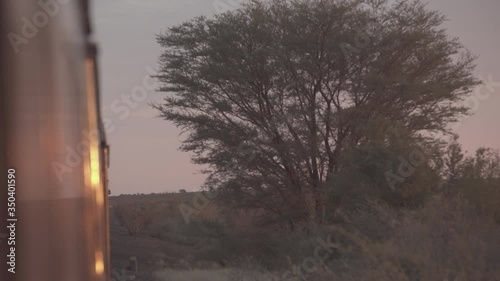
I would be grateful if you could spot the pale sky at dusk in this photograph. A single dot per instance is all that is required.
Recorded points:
(144, 149)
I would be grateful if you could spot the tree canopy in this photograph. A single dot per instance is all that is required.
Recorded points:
(272, 95)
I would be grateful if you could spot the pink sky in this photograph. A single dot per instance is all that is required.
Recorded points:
(144, 150)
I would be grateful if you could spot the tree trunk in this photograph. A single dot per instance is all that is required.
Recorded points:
(310, 201)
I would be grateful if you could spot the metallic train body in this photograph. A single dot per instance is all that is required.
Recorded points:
(54, 140)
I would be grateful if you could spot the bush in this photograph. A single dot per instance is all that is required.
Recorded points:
(135, 217)
(447, 239)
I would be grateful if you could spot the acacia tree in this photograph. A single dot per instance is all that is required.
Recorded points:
(271, 94)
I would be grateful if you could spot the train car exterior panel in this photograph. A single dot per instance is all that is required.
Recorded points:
(55, 143)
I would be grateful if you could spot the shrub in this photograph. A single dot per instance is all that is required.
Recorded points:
(135, 217)
(447, 239)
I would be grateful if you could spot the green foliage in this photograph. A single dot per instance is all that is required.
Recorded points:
(476, 177)
(390, 151)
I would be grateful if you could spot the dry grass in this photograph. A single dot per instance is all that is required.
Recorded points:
(192, 275)
(445, 240)
(212, 275)
(451, 238)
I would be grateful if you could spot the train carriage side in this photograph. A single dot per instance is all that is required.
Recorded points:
(54, 140)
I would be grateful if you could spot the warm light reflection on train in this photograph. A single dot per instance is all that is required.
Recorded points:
(51, 121)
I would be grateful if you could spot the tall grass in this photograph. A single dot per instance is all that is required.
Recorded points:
(447, 239)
